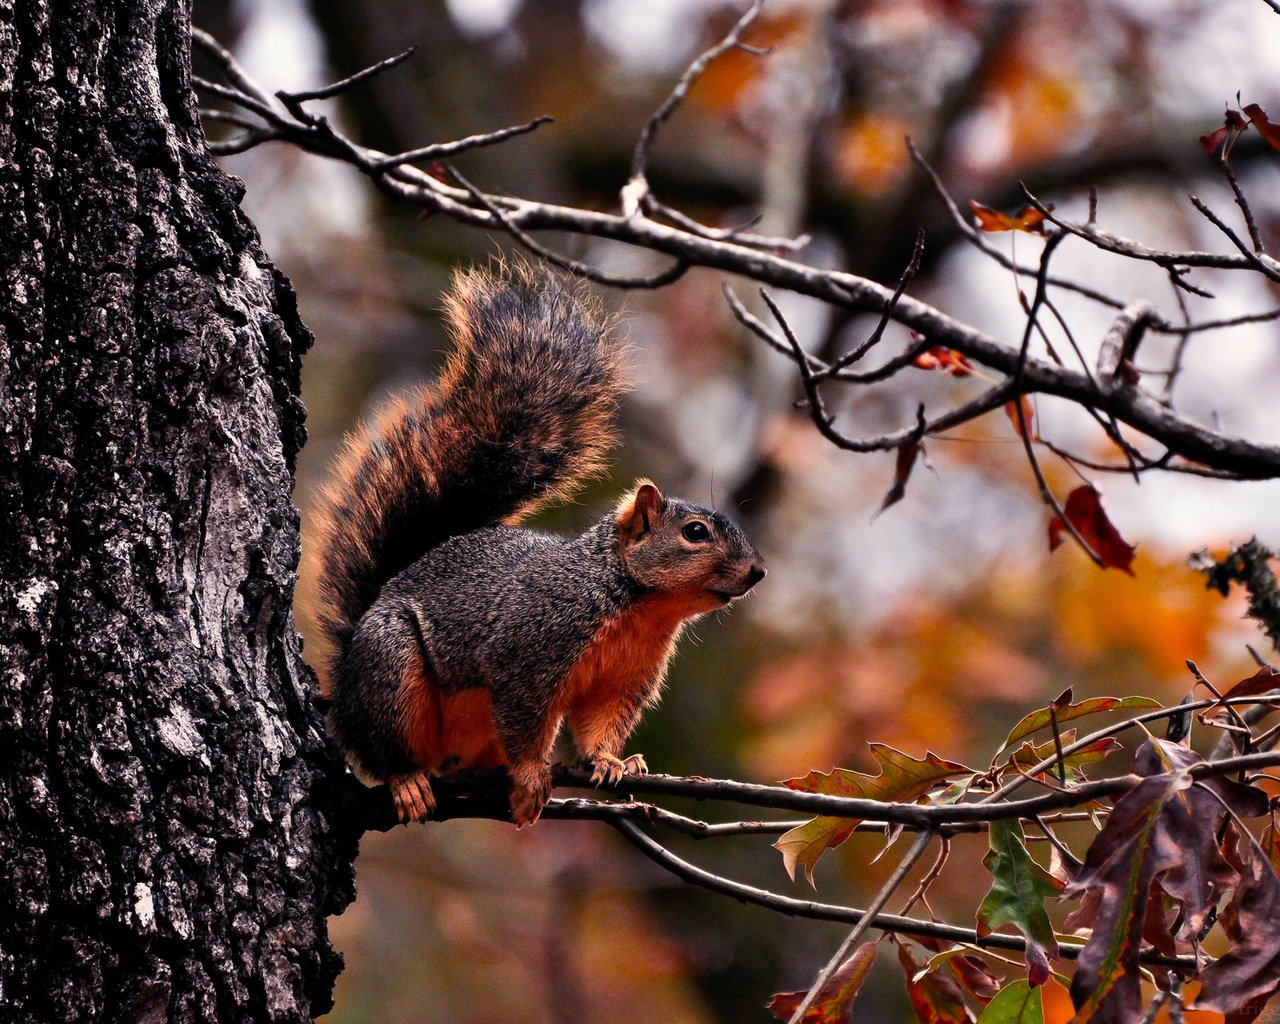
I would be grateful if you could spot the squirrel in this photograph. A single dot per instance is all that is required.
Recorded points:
(461, 639)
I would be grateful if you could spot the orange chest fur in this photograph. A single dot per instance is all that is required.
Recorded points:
(627, 658)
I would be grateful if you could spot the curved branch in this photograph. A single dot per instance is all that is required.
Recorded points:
(792, 907)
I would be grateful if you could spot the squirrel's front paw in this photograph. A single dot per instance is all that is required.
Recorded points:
(605, 768)
(413, 797)
(530, 792)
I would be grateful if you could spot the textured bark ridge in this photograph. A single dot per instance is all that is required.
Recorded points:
(166, 849)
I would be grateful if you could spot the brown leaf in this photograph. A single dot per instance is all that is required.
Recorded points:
(1163, 833)
(901, 777)
(1268, 129)
(1085, 512)
(906, 462)
(1213, 140)
(1232, 124)
(974, 977)
(1241, 981)
(1263, 681)
(1027, 219)
(936, 997)
(831, 1004)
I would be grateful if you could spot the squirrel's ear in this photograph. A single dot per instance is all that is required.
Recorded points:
(637, 511)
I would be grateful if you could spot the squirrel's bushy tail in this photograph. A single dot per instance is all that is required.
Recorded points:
(522, 413)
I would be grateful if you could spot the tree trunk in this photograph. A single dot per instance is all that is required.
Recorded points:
(165, 833)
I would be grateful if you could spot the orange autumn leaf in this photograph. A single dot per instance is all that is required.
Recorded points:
(1085, 512)
(948, 360)
(1027, 219)
(1028, 417)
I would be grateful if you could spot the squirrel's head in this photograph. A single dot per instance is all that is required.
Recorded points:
(685, 549)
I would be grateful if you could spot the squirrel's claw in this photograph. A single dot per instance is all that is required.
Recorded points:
(413, 797)
(634, 765)
(607, 769)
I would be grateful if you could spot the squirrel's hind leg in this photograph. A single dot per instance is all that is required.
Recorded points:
(527, 733)
(413, 797)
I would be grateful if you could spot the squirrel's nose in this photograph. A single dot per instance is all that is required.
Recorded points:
(755, 574)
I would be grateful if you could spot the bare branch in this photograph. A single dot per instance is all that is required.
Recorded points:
(672, 273)
(446, 149)
(339, 87)
(1136, 250)
(975, 237)
(1245, 211)
(1260, 262)
(829, 912)
(638, 186)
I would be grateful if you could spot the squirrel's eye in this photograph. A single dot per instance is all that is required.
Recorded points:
(696, 531)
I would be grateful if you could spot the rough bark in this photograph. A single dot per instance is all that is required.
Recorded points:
(165, 838)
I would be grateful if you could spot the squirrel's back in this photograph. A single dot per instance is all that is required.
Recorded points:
(523, 411)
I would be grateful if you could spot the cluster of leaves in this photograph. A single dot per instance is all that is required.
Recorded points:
(1169, 868)
(1234, 124)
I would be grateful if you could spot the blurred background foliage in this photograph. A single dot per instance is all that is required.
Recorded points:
(934, 627)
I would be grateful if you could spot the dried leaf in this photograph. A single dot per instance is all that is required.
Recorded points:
(1065, 712)
(1247, 975)
(969, 970)
(1263, 681)
(831, 1004)
(901, 778)
(1028, 417)
(1027, 756)
(1267, 128)
(1085, 512)
(1232, 124)
(1162, 832)
(1019, 887)
(948, 360)
(1027, 219)
(936, 997)
(1213, 140)
(906, 462)
(1016, 1003)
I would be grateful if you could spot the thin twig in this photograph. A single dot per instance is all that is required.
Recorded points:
(345, 84)
(640, 156)
(446, 149)
(658, 280)
(1245, 211)
(1136, 250)
(854, 937)
(856, 353)
(1262, 263)
(1024, 429)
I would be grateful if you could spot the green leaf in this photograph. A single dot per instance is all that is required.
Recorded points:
(901, 777)
(1019, 1002)
(1019, 887)
(1065, 711)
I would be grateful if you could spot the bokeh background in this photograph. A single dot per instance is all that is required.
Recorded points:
(935, 626)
